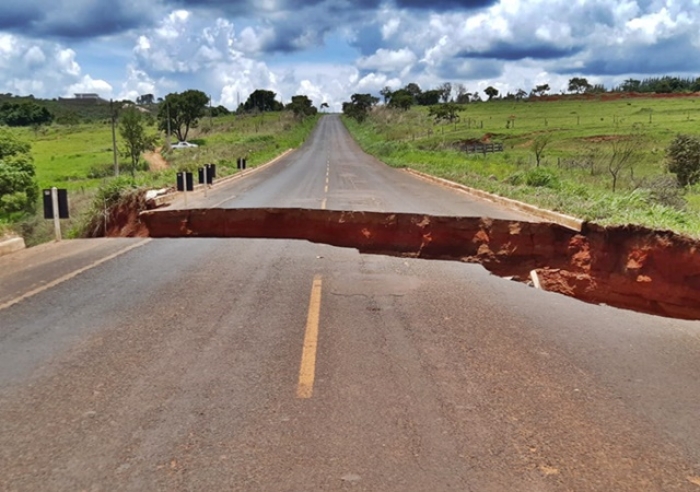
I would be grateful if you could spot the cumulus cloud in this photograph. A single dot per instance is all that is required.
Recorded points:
(332, 48)
(43, 68)
(388, 60)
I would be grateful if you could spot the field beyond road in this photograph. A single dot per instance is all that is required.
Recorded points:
(575, 172)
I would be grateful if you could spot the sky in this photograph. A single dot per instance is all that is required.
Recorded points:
(330, 49)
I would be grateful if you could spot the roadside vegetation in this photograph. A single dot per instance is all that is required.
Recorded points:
(79, 156)
(611, 158)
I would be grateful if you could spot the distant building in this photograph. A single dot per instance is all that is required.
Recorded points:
(93, 97)
(84, 98)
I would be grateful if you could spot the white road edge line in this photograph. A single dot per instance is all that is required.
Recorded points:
(69, 276)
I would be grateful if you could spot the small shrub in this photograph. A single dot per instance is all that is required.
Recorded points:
(684, 159)
(538, 177)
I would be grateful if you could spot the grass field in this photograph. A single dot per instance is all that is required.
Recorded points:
(573, 176)
(80, 158)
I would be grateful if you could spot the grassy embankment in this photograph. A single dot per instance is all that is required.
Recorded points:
(573, 176)
(79, 158)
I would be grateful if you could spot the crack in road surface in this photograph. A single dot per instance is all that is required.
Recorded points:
(630, 267)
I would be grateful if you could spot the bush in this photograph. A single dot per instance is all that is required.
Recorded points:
(684, 159)
(18, 188)
(539, 177)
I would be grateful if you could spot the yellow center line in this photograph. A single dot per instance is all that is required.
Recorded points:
(307, 371)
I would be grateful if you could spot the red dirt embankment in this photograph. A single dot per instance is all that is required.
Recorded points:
(629, 267)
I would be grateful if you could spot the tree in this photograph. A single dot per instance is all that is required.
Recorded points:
(447, 112)
(622, 155)
(401, 99)
(18, 188)
(386, 94)
(262, 101)
(578, 85)
(445, 92)
(462, 94)
(183, 110)
(413, 89)
(683, 157)
(491, 92)
(359, 106)
(520, 95)
(135, 141)
(631, 85)
(538, 145)
(540, 90)
(25, 113)
(220, 111)
(428, 98)
(302, 107)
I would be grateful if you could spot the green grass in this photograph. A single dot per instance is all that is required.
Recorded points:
(68, 157)
(581, 131)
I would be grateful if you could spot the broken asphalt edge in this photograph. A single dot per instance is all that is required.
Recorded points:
(564, 220)
(11, 245)
(169, 197)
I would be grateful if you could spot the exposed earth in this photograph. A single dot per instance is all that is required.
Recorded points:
(656, 272)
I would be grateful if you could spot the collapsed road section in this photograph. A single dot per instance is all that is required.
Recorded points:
(656, 272)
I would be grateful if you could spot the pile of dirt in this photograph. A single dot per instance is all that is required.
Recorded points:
(655, 272)
(155, 160)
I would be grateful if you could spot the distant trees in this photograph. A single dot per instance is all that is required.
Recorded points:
(683, 157)
(302, 107)
(183, 110)
(540, 90)
(220, 111)
(491, 92)
(386, 94)
(661, 85)
(462, 94)
(359, 106)
(428, 98)
(401, 99)
(24, 113)
(18, 188)
(262, 101)
(135, 141)
(578, 85)
(445, 92)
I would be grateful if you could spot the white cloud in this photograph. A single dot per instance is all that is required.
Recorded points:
(388, 60)
(89, 85)
(43, 68)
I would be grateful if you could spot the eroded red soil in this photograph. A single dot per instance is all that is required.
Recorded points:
(629, 267)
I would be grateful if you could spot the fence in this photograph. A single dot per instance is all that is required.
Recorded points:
(483, 148)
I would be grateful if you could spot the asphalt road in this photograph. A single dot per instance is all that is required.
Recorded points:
(213, 364)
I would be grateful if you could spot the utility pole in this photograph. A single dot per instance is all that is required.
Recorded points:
(114, 138)
(167, 135)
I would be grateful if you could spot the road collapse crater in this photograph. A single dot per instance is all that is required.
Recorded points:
(631, 267)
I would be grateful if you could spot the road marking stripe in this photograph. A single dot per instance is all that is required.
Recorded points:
(325, 189)
(69, 276)
(307, 371)
(323, 204)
